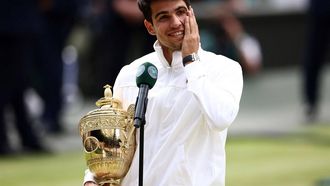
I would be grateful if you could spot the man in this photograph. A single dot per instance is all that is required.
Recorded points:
(227, 36)
(192, 104)
(111, 24)
(315, 56)
(19, 29)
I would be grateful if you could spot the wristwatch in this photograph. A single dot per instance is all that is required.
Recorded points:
(190, 58)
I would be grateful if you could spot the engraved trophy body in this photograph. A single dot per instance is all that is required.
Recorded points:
(108, 138)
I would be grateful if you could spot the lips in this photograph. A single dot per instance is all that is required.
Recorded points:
(177, 34)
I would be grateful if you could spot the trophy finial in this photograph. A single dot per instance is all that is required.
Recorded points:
(108, 99)
(107, 91)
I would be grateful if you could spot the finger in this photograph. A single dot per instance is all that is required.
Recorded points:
(191, 20)
(187, 25)
(193, 23)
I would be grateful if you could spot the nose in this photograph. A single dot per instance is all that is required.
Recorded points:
(176, 21)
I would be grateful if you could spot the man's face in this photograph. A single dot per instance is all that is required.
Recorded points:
(168, 22)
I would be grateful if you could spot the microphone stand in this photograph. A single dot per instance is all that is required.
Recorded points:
(141, 154)
(139, 122)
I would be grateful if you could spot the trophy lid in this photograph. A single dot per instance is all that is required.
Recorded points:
(109, 114)
(108, 99)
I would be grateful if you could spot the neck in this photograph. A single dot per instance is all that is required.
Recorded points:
(168, 54)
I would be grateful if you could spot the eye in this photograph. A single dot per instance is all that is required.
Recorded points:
(163, 18)
(181, 12)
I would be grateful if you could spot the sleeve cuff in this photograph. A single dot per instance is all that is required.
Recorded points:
(88, 177)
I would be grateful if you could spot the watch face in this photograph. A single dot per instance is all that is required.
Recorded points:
(195, 57)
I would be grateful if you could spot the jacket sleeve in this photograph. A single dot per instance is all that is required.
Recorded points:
(88, 177)
(217, 84)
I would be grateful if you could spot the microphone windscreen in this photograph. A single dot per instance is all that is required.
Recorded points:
(146, 74)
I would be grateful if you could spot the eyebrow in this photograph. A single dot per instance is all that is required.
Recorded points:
(166, 12)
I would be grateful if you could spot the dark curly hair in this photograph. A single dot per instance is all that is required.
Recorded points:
(145, 7)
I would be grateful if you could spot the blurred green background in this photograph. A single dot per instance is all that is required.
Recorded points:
(269, 144)
(300, 159)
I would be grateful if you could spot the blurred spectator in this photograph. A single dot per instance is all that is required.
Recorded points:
(247, 47)
(19, 27)
(59, 17)
(318, 34)
(230, 38)
(115, 26)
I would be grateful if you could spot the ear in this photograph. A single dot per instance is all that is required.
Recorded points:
(149, 27)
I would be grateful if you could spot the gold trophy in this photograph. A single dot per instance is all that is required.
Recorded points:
(108, 138)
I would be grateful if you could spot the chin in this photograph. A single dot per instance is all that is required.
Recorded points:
(178, 47)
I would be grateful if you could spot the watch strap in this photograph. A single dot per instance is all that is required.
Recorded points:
(190, 58)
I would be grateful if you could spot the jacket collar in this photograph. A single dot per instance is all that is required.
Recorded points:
(176, 57)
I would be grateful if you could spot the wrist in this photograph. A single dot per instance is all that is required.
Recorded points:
(239, 39)
(190, 59)
(90, 183)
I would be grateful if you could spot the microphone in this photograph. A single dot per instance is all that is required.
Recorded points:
(146, 77)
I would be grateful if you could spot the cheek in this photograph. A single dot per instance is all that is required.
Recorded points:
(160, 29)
(182, 18)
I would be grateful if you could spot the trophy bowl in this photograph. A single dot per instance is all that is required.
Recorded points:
(108, 138)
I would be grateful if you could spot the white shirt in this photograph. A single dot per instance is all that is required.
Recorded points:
(189, 110)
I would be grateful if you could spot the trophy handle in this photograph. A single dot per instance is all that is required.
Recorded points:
(130, 111)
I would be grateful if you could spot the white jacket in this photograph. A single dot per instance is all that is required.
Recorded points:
(188, 113)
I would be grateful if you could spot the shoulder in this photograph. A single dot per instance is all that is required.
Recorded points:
(126, 76)
(133, 66)
(219, 62)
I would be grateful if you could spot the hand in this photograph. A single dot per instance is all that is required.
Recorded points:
(231, 25)
(191, 38)
(128, 10)
(94, 184)
(89, 183)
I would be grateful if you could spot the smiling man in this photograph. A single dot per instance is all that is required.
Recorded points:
(191, 106)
